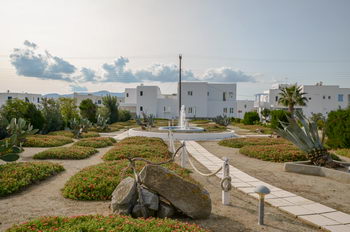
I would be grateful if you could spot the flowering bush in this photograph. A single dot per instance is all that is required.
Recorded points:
(105, 223)
(16, 176)
(73, 152)
(241, 142)
(275, 153)
(96, 142)
(46, 141)
(138, 146)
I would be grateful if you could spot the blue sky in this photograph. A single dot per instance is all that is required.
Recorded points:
(110, 44)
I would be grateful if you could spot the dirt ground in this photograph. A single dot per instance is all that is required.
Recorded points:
(319, 189)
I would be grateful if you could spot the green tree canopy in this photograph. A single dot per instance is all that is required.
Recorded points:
(52, 114)
(110, 102)
(88, 110)
(290, 96)
(69, 109)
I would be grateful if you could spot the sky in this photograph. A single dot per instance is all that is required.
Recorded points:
(60, 46)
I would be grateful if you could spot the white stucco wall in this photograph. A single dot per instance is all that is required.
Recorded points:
(30, 97)
(244, 106)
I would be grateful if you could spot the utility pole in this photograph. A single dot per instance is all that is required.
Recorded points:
(180, 58)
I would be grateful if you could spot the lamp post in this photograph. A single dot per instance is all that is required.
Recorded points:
(261, 191)
(180, 61)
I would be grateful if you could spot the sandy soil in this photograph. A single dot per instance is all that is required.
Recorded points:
(323, 190)
(241, 215)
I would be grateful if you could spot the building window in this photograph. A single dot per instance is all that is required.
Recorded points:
(309, 98)
(208, 93)
(127, 94)
(9, 97)
(141, 108)
(340, 97)
(276, 98)
(38, 100)
(26, 99)
(231, 110)
(141, 93)
(230, 94)
(224, 96)
(190, 110)
(324, 97)
(99, 102)
(225, 110)
(329, 97)
(190, 93)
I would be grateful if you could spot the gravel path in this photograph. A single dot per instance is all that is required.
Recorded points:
(45, 198)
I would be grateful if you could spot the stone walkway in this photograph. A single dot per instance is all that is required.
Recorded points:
(309, 211)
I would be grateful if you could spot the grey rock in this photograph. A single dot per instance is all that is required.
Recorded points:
(150, 200)
(189, 198)
(165, 210)
(124, 196)
(137, 212)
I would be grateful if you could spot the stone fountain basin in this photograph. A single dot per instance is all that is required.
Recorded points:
(184, 135)
(307, 168)
(181, 129)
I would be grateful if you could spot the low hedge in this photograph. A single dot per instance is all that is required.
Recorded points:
(275, 152)
(73, 152)
(46, 141)
(241, 142)
(97, 182)
(14, 177)
(68, 133)
(96, 142)
(138, 146)
(105, 223)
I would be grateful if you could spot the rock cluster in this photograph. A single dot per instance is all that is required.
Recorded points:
(164, 194)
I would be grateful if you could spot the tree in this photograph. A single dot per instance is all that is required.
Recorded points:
(338, 129)
(34, 116)
(319, 119)
(265, 113)
(290, 96)
(110, 102)
(88, 110)
(68, 109)
(124, 115)
(278, 116)
(250, 118)
(52, 114)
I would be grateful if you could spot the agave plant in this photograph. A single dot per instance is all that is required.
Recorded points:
(304, 134)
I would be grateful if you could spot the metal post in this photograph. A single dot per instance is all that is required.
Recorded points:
(180, 59)
(226, 173)
(261, 209)
(184, 156)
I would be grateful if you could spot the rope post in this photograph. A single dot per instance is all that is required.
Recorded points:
(184, 155)
(226, 182)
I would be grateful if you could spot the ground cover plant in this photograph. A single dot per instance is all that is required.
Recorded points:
(68, 133)
(255, 128)
(213, 128)
(105, 223)
(138, 146)
(73, 152)
(343, 152)
(16, 176)
(97, 182)
(241, 142)
(46, 141)
(96, 142)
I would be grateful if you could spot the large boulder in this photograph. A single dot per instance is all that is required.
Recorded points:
(150, 200)
(124, 196)
(165, 210)
(189, 198)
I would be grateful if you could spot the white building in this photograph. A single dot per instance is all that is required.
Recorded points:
(78, 97)
(28, 97)
(321, 99)
(201, 99)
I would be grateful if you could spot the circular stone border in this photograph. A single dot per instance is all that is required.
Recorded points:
(185, 136)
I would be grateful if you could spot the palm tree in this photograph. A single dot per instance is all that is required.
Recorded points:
(291, 96)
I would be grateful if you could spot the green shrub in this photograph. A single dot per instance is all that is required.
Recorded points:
(73, 152)
(277, 116)
(16, 176)
(96, 142)
(88, 110)
(241, 142)
(149, 148)
(275, 153)
(338, 129)
(46, 141)
(105, 223)
(251, 118)
(124, 115)
(52, 115)
(343, 152)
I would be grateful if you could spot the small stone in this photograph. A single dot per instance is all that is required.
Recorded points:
(165, 210)
(124, 196)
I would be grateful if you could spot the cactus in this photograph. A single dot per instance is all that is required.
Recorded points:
(222, 120)
(102, 123)
(146, 121)
(78, 126)
(18, 130)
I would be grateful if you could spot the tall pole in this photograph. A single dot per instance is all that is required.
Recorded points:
(180, 58)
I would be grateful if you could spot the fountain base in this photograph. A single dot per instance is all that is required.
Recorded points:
(182, 129)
